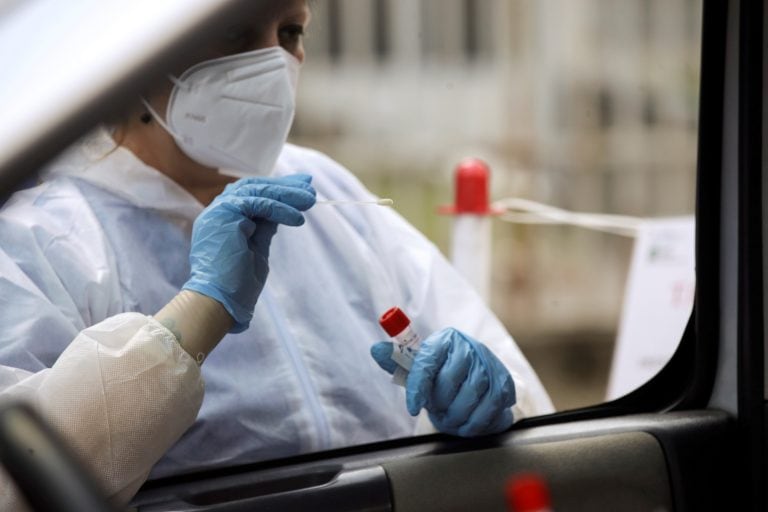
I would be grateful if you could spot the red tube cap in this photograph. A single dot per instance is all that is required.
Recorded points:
(394, 321)
(472, 178)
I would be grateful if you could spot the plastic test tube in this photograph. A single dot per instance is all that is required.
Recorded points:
(407, 342)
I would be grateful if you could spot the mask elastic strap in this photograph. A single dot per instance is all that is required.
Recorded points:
(178, 83)
(157, 117)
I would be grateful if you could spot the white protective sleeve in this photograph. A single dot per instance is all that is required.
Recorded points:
(121, 394)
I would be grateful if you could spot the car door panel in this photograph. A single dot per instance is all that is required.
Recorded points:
(673, 461)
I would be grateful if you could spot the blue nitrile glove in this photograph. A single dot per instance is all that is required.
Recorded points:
(459, 381)
(231, 237)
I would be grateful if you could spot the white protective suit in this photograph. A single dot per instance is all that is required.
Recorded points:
(105, 234)
(119, 427)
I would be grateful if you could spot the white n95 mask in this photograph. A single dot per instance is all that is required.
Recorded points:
(234, 113)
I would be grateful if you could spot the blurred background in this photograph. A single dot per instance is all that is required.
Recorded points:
(587, 105)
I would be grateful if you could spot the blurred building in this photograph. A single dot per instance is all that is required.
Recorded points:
(588, 105)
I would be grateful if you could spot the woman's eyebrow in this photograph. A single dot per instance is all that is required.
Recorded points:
(296, 12)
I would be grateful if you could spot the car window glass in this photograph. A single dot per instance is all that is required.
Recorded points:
(585, 114)
(586, 106)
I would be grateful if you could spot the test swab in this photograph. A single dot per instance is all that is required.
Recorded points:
(378, 202)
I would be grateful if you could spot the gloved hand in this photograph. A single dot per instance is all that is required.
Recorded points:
(459, 381)
(231, 237)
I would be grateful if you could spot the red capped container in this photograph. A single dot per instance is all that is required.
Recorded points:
(472, 177)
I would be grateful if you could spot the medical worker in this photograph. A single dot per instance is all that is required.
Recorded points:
(109, 232)
(126, 388)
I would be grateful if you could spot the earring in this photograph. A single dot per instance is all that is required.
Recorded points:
(145, 118)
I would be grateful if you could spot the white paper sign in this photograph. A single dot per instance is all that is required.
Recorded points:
(657, 302)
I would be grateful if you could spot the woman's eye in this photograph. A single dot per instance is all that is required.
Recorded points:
(291, 34)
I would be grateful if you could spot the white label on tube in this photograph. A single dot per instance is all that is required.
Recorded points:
(403, 356)
(408, 338)
(400, 376)
(407, 343)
